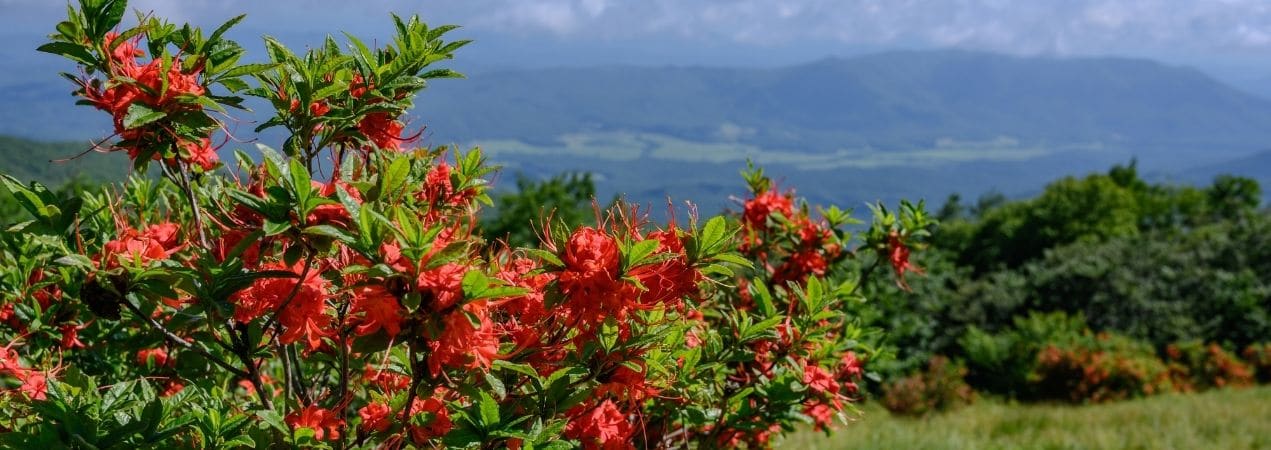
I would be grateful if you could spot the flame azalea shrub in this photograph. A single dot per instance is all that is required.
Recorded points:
(1196, 366)
(941, 387)
(278, 305)
(1099, 368)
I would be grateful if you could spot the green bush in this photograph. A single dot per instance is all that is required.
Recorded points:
(1054, 356)
(1003, 362)
(939, 388)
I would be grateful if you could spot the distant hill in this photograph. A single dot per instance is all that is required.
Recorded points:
(888, 101)
(53, 163)
(1257, 166)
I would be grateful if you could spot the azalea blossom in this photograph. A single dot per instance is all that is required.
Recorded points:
(302, 314)
(325, 424)
(898, 255)
(604, 427)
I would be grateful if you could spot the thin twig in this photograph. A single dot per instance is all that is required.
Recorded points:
(302, 388)
(188, 189)
(243, 349)
(172, 337)
(415, 379)
(286, 375)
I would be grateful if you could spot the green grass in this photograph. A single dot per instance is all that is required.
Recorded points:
(1227, 419)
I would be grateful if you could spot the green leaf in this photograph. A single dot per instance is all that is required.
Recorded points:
(273, 157)
(101, 16)
(71, 51)
(735, 258)
(78, 261)
(608, 334)
(249, 200)
(477, 285)
(139, 115)
(274, 228)
(395, 177)
(441, 73)
(241, 440)
(273, 420)
(29, 198)
(489, 409)
(640, 251)
(411, 301)
(524, 369)
(544, 255)
(248, 69)
(763, 297)
(453, 252)
(713, 232)
(352, 205)
(216, 35)
(496, 385)
(718, 269)
(332, 232)
(301, 185)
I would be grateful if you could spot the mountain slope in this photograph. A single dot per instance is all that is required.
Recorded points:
(1257, 166)
(888, 101)
(53, 163)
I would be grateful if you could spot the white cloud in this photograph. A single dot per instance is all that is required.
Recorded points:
(1018, 26)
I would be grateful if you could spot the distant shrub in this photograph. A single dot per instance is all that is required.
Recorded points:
(940, 387)
(1055, 357)
(1196, 366)
(1002, 362)
(1098, 368)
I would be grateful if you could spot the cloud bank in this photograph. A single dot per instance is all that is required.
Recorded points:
(1014, 26)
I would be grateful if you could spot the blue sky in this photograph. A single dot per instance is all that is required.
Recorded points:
(1219, 35)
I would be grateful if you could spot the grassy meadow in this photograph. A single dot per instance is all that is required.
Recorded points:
(1223, 419)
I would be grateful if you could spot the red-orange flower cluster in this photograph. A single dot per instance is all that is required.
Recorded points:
(301, 305)
(325, 424)
(157, 88)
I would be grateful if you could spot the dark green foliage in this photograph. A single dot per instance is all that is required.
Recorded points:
(1232, 196)
(54, 163)
(1055, 357)
(12, 211)
(1148, 263)
(566, 198)
(77, 413)
(1002, 362)
(1160, 288)
(1069, 210)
